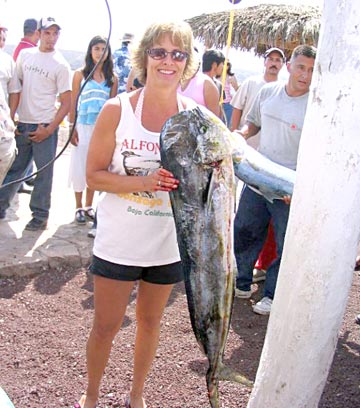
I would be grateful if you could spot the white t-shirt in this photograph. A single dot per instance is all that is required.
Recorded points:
(7, 138)
(135, 229)
(244, 97)
(44, 75)
(281, 118)
(8, 76)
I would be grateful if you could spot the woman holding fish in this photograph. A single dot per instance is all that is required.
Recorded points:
(136, 238)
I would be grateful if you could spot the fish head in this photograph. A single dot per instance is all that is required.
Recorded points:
(195, 147)
(199, 136)
(212, 138)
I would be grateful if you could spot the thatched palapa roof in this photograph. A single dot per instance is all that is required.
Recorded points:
(260, 27)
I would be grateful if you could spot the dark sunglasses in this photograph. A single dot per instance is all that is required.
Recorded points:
(161, 53)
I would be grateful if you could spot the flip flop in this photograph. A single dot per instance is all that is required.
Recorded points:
(127, 403)
(77, 405)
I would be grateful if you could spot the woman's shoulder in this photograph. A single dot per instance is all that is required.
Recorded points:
(79, 72)
(78, 75)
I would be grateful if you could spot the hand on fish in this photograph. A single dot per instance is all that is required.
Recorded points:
(161, 180)
(287, 199)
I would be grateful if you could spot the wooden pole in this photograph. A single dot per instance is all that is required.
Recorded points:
(324, 225)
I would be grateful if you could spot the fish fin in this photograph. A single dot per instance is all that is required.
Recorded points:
(228, 374)
(265, 193)
(208, 191)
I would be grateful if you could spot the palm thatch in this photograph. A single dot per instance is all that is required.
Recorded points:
(260, 27)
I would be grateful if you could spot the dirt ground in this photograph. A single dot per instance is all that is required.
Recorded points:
(45, 320)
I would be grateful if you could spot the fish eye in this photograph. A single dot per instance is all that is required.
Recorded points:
(203, 129)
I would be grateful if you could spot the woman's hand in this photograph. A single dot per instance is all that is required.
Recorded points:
(74, 138)
(160, 180)
(287, 199)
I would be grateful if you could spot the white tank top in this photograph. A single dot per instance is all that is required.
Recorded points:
(135, 229)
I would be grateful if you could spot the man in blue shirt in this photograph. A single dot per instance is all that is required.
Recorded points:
(122, 62)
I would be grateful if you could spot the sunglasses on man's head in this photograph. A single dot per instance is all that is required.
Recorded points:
(161, 53)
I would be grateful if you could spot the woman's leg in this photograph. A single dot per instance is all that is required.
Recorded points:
(89, 197)
(111, 298)
(150, 305)
(78, 199)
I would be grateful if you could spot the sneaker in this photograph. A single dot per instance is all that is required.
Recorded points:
(30, 182)
(263, 307)
(259, 275)
(357, 319)
(80, 216)
(36, 225)
(90, 213)
(2, 214)
(92, 233)
(242, 294)
(24, 189)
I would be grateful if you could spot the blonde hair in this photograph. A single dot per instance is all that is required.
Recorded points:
(181, 35)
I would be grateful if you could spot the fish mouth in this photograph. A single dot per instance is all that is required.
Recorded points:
(215, 164)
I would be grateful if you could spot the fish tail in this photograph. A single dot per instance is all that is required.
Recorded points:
(228, 374)
(212, 386)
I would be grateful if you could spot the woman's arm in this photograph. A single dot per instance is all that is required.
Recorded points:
(77, 78)
(113, 91)
(76, 85)
(211, 96)
(234, 82)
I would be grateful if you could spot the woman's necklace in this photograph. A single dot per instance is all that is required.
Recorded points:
(140, 103)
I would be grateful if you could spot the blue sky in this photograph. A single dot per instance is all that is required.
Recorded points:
(82, 19)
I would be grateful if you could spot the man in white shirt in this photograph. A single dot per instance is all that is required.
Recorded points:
(274, 59)
(44, 74)
(279, 111)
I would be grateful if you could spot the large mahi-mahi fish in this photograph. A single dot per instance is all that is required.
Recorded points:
(204, 155)
(270, 179)
(200, 157)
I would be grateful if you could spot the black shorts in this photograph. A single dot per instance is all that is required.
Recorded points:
(161, 274)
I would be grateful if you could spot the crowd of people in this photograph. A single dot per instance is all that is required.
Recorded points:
(117, 101)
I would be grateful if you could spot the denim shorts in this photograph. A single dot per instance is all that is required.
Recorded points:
(160, 274)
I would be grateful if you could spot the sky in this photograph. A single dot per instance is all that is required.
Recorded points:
(80, 20)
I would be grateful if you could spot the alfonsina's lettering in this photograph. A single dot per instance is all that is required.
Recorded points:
(141, 145)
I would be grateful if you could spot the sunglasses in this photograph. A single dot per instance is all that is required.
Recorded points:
(161, 53)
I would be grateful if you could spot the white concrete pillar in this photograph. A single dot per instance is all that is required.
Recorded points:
(324, 225)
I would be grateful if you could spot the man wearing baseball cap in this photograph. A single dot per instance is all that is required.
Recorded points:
(45, 74)
(279, 110)
(242, 101)
(274, 59)
(122, 61)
